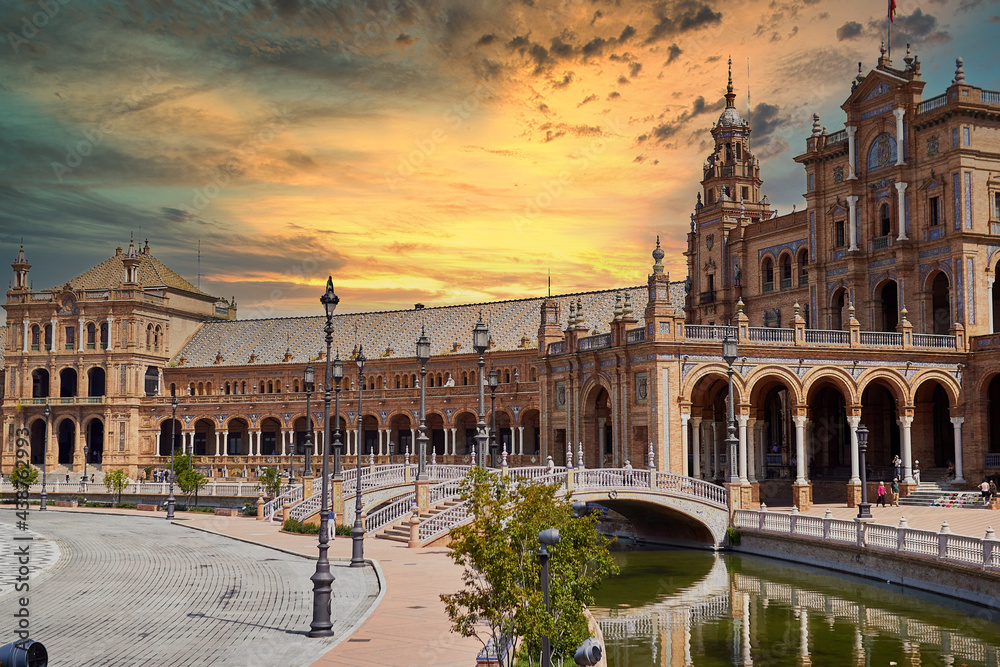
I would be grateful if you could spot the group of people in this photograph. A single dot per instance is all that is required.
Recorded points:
(988, 489)
(893, 489)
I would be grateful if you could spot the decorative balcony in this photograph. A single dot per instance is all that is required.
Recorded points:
(786, 283)
(708, 297)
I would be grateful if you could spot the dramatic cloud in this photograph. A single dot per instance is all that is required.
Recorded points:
(849, 30)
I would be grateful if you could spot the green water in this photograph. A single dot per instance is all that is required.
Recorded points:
(677, 608)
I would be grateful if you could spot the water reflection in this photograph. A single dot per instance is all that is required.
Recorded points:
(689, 608)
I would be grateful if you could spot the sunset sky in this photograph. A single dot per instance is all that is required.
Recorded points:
(440, 151)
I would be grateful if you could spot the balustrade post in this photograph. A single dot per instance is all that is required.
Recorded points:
(989, 546)
(793, 520)
(860, 535)
(762, 515)
(943, 541)
(901, 534)
(827, 520)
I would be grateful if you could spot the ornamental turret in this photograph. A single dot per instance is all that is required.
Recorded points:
(21, 268)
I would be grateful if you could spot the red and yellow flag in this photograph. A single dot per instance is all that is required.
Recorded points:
(892, 11)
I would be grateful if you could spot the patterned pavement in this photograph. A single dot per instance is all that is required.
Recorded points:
(132, 590)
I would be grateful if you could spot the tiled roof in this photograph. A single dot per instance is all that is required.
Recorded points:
(393, 334)
(152, 273)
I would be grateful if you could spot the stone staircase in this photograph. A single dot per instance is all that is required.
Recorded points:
(400, 531)
(935, 491)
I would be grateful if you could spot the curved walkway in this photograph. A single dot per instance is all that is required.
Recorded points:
(962, 521)
(138, 590)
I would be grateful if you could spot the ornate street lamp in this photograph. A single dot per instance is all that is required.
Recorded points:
(358, 531)
(480, 342)
(423, 356)
(309, 383)
(338, 375)
(864, 507)
(729, 353)
(493, 379)
(548, 537)
(171, 501)
(45, 455)
(322, 625)
(86, 453)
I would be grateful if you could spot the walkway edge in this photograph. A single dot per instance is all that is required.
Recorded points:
(383, 583)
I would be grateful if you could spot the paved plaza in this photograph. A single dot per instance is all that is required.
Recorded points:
(138, 590)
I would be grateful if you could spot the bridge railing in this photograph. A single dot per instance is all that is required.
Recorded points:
(536, 472)
(439, 524)
(654, 480)
(275, 505)
(980, 553)
(690, 486)
(390, 514)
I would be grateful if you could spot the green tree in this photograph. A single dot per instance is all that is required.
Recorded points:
(182, 462)
(23, 476)
(116, 481)
(270, 479)
(498, 550)
(191, 482)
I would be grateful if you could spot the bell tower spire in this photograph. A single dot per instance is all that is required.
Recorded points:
(730, 95)
(20, 267)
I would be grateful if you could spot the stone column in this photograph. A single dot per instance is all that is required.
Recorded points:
(696, 446)
(601, 433)
(851, 175)
(79, 335)
(901, 204)
(899, 112)
(110, 347)
(55, 335)
(853, 421)
(761, 449)
(520, 440)
(158, 435)
(904, 424)
(989, 306)
(956, 423)
(218, 443)
(852, 204)
(685, 418)
(742, 420)
(25, 324)
(752, 458)
(800, 449)
(454, 442)
(715, 450)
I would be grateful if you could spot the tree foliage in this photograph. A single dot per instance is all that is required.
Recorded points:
(502, 594)
(191, 482)
(116, 481)
(23, 476)
(270, 480)
(182, 462)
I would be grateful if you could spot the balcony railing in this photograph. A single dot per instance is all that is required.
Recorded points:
(771, 335)
(769, 287)
(932, 103)
(880, 243)
(786, 283)
(828, 337)
(706, 332)
(597, 342)
(993, 460)
(804, 280)
(559, 347)
(635, 335)
(933, 340)
(836, 138)
(882, 338)
(990, 96)
(65, 400)
(708, 297)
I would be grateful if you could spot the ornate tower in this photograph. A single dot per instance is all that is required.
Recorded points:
(131, 263)
(20, 267)
(730, 200)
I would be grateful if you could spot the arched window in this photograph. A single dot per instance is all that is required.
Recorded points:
(243, 387)
(767, 272)
(270, 387)
(262, 387)
(91, 336)
(104, 335)
(48, 336)
(506, 375)
(465, 378)
(156, 338)
(803, 267)
(398, 383)
(885, 219)
(173, 389)
(36, 337)
(786, 271)
(532, 374)
(149, 337)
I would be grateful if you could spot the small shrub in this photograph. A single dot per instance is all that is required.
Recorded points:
(343, 529)
(296, 526)
(180, 507)
(128, 506)
(202, 509)
(249, 509)
(733, 535)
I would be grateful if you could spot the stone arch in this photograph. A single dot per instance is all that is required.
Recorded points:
(93, 438)
(68, 382)
(896, 383)
(830, 398)
(400, 423)
(435, 422)
(40, 383)
(690, 384)
(597, 426)
(786, 268)
(65, 440)
(945, 379)
(38, 434)
(531, 421)
(464, 423)
(885, 297)
(938, 289)
(165, 433)
(932, 435)
(883, 397)
(835, 376)
(205, 439)
(762, 375)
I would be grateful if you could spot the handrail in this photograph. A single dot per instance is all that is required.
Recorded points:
(389, 514)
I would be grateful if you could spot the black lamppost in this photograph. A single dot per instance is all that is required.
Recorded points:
(493, 379)
(308, 384)
(45, 455)
(173, 426)
(423, 356)
(548, 537)
(729, 352)
(338, 375)
(358, 531)
(864, 507)
(86, 453)
(322, 625)
(480, 342)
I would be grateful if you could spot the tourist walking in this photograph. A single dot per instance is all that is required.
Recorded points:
(993, 489)
(916, 472)
(897, 466)
(881, 494)
(894, 488)
(984, 488)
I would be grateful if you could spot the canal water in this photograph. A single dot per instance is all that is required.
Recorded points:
(679, 608)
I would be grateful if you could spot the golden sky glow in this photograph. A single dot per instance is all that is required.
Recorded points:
(440, 151)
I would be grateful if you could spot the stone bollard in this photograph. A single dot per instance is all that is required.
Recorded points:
(989, 548)
(901, 534)
(260, 508)
(414, 542)
(793, 519)
(827, 519)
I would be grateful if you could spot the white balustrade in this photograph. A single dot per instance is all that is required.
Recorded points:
(390, 513)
